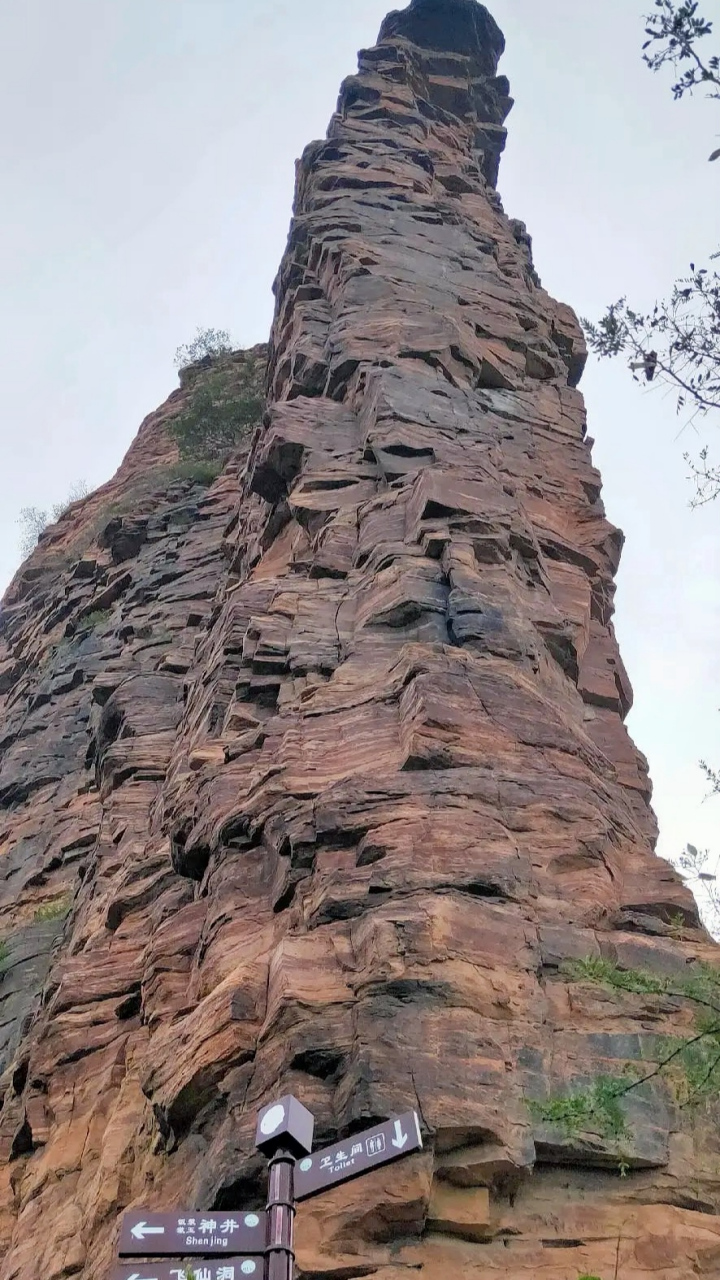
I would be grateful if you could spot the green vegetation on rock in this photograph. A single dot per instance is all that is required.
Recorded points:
(595, 1108)
(690, 1065)
(200, 472)
(223, 406)
(57, 910)
(94, 619)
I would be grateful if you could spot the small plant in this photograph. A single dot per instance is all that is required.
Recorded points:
(95, 618)
(57, 910)
(677, 926)
(587, 1277)
(201, 472)
(207, 342)
(4, 956)
(595, 1108)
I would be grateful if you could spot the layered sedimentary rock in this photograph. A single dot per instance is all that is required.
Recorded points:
(311, 781)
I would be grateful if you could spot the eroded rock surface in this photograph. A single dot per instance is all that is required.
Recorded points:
(327, 764)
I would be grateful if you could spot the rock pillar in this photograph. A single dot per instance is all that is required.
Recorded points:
(341, 831)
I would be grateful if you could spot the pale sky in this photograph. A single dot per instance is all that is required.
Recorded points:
(147, 160)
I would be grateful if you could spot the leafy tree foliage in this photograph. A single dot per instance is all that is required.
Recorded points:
(674, 33)
(678, 342)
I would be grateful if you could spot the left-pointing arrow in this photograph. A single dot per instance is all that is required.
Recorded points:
(141, 1230)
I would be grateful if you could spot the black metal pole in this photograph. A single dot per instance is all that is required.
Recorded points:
(280, 1251)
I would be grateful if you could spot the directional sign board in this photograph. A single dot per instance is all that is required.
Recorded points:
(203, 1269)
(191, 1234)
(359, 1154)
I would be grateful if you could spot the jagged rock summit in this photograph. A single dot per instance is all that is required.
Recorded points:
(313, 779)
(449, 26)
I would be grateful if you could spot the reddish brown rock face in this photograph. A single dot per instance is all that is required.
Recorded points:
(327, 764)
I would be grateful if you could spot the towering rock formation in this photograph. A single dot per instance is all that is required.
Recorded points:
(311, 780)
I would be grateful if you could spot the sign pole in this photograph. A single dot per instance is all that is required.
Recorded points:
(284, 1132)
(263, 1243)
(281, 1216)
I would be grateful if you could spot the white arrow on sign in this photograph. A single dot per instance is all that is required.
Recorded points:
(136, 1276)
(141, 1230)
(400, 1138)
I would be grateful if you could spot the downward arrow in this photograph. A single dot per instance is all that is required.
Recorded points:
(141, 1230)
(400, 1138)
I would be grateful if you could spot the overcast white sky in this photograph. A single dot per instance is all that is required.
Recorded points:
(147, 180)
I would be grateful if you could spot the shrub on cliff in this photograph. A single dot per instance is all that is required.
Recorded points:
(688, 1063)
(224, 403)
(207, 342)
(34, 520)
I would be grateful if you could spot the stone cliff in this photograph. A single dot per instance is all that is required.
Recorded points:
(312, 779)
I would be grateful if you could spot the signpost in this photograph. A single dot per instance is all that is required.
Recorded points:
(361, 1153)
(232, 1245)
(204, 1269)
(190, 1234)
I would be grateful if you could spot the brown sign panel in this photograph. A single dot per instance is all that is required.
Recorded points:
(191, 1233)
(201, 1269)
(361, 1153)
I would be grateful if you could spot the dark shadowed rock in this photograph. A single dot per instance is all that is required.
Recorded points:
(452, 26)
